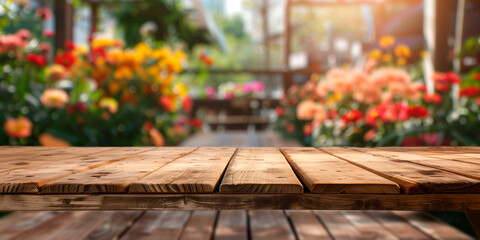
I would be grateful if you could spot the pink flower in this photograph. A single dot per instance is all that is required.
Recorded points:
(48, 33)
(386, 76)
(54, 98)
(43, 13)
(338, 81)
(210, 92)
(23, 34)
(306, 110)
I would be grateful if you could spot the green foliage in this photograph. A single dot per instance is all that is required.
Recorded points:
(169, 16)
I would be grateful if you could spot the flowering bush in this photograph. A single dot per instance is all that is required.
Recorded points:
(230, 90)
(101, 94)
(381, 105)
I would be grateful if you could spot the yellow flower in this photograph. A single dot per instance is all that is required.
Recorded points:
(110, 104)
(48, 140)
(387, 41)
(103, 42)
(123, 73)
(402, 50)
(180, 89)
(54, 98)
(387, 57)
(80, 50)
(375, 54)
(401, 62)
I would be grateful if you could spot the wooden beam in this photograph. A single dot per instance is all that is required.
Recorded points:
(219, 201)
(63, 23)
(474, 217)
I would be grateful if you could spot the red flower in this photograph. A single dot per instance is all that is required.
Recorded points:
(477, 100)
(36, 59)
(352, 116)
(48, 33)
(187, 104)
(206, 59)
(307, 129)
(43, 13)
(417, 112)
(469, 92)
(279, 111)
(374, 114)
(167, 103)
(422, 88)
(432, 98)
(196, 122)
(452, 77)
(69, 45)
(290, 128)
(148, 126)
(65, 59)
(442, 86)
(332, 114)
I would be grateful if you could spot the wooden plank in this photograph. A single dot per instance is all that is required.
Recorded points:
(269, 224)
(260, 170)
(324, 173)
(200, 226)
(470, 170)
(49, 228)
(117, 176)
(231, 225)
(197, 172)
(432, 226)
(369, 228)
(338, 226)
(472, 158)
(225, 201)
(114, 226)
(412, 178)
(155, 225)
(307, 226)
(18, 222)
(474, 217)
(397, 225)
(30, 178)
(82, 227)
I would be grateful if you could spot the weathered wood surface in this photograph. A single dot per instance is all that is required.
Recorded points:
(197, 172)
(324, 173)
(226, 201)
(260, 170)
(412, 178)
(231, 225)
(239, 170)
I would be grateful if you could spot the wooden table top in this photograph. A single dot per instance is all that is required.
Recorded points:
(245, 174)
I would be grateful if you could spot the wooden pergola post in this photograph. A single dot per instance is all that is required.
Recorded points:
(63, 23)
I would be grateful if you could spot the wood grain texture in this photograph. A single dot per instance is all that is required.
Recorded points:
(117, 176)
(412, 178)
(200, 226)
(114, 226)
(307, 226)
(197, 172)
(225, 201)
(369, 228)
(231, 225)
(466, 169)
(30, 178)
(260, 170)
(339, 226)
(18, 222)
(324, 173)
(397, 225)
(270, 224)
(81, 228)
(155, 225)
(432, 226)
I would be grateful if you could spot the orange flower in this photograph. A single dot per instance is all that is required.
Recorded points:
(375, 54)
(54, 98)
(386, 41)
(167, 103)
(156, 137)
(56, 72)
(48, 140)
(18, 127)
(306, 110)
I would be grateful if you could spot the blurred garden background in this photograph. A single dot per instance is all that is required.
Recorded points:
(327, 73)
